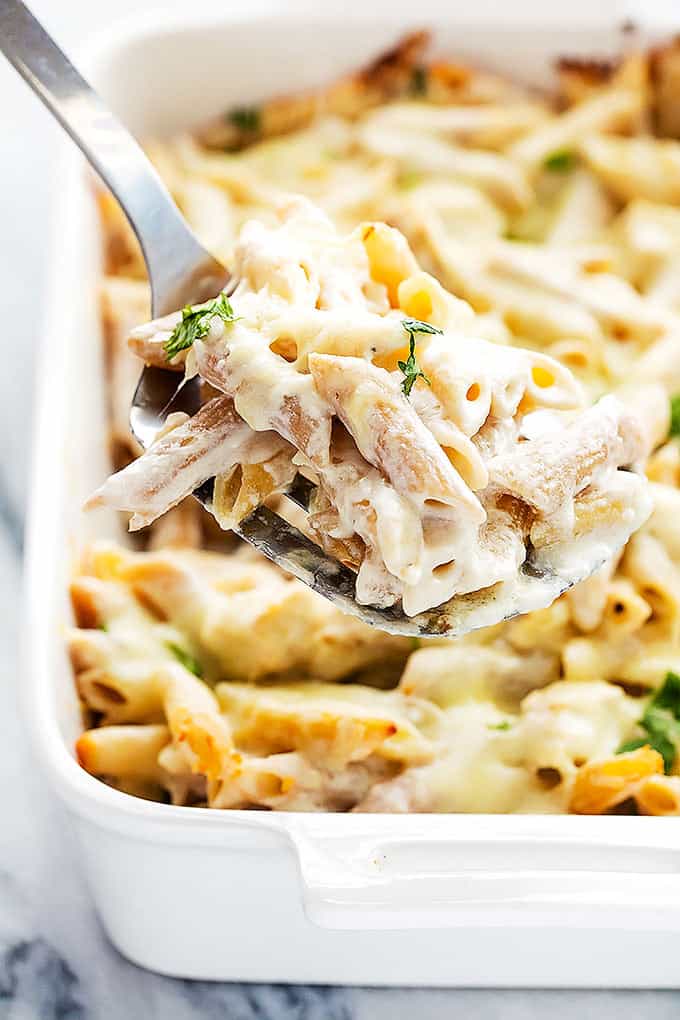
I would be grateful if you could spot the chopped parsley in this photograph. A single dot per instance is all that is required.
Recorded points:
(675, 416)
(418, 84)
(185, 658)
(410, 367)
(418, 326)
(505, 725)
(409, 179)
(195, 324)
(246, 118)
(560, 161)
(661, 723)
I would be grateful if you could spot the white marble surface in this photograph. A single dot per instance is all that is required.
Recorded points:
(55, 962)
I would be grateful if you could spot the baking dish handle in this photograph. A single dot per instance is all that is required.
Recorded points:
(368, 881)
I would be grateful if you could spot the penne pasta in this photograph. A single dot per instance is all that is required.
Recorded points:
(185, 456)
(453, 307)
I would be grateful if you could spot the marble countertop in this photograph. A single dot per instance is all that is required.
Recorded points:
(55, 961)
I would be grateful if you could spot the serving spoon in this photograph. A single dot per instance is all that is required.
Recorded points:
(181, 272)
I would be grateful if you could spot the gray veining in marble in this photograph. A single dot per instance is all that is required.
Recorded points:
(55, 962)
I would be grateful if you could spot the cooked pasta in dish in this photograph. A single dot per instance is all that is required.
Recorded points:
(439, 474)
(465, 329)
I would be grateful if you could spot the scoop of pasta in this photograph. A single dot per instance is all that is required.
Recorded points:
(440, 459)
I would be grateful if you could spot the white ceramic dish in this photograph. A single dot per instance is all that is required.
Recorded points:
(328, 898)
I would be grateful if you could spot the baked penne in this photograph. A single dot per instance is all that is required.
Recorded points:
(426, 534)
(428, 332)
(184, 456)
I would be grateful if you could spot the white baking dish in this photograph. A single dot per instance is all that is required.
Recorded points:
(316, 898)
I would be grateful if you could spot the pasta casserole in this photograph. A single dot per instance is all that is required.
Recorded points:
(433, 487)
(454, 307)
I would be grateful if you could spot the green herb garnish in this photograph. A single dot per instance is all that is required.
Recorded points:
(668, 695)
(505, 725)
(245, 118)
(417, 326)
(418, 84)
(185, 658)
(409, 179)
(196, 323)
(410, 367)
(560, 161)
(675, 416)
(661, 723)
